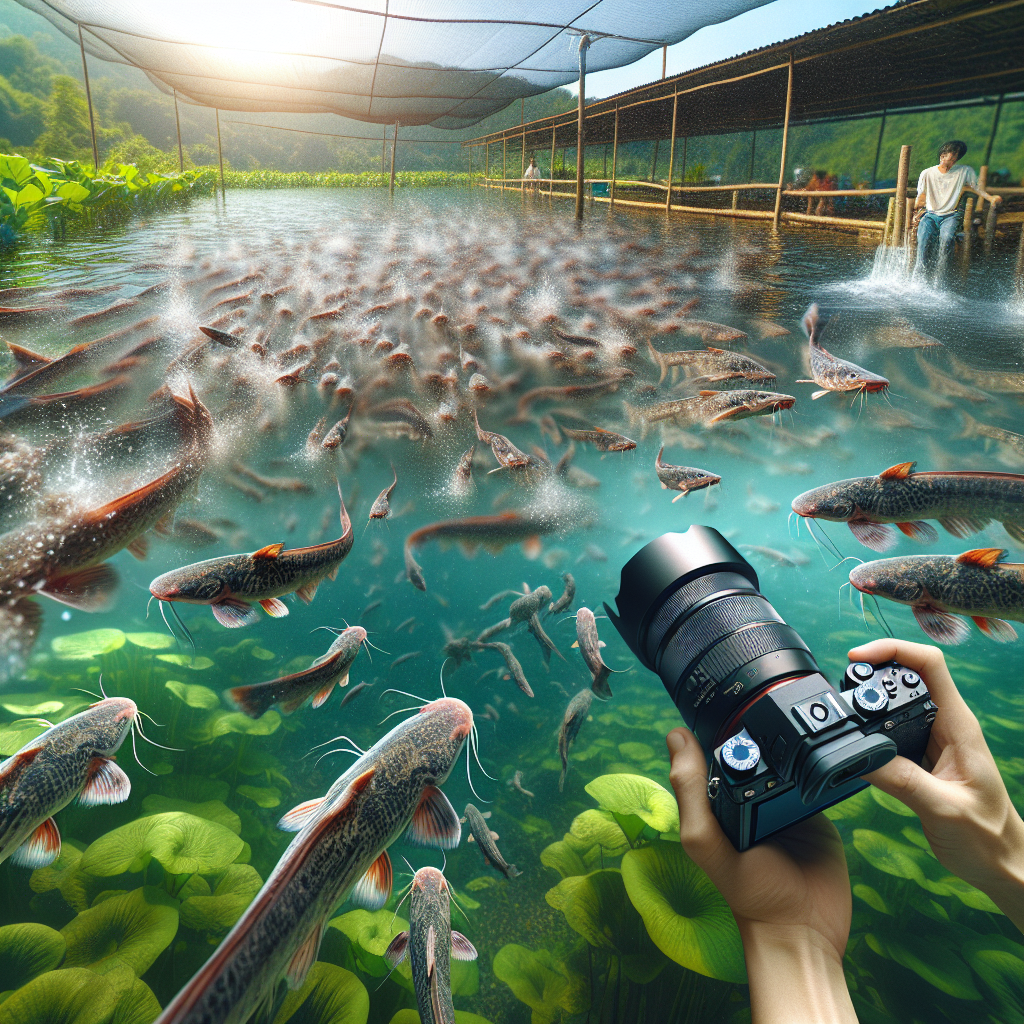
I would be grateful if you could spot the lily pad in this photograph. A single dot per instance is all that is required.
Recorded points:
(887, 855)
(47, 707)
(78, 888)
(890, 803)
(136, 1004)
(133, 929)
(90, 644)
(633, 751)
(930, 956)
(872, 898)
(26, 951)
(14, 736)
(262, 654)
(561, 857)
(71, 996)
(194, 695)
(261, 796)
(684, 913)
(220, 723)
(330, 995)
(219, 911)
(196, 663)
(150, 641)
(637, 795)
(212, 810)
(539, 980)
(598, 828)
(596, 906)
(182, 843)
(370, 934)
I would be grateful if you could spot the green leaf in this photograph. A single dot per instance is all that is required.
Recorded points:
(197, 664)
(14, 736)
(890, 803)
(47, 707)
(194, 695)
(219, 911)
(77, 887)
(684, 913)
(90, 644)
(929, 956)
(18, 169)
(150, 641)
(561, 857)
(133, 929)
(408, 1016)
(71, 996)
(887, 855)
(136, 1005)
(212, 810)
(598, 828)
(72, 192)
(540, 981)
(26, 951)
(262, 654)
(262, 797)
(635, 794)
(640, 752)
(330, 995)
(998, 962)
(370, 934)
(182, 843)
(220, 723)
(29, 194)
(871, 897)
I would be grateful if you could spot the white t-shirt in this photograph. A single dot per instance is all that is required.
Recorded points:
(942, 191)
(532, 172)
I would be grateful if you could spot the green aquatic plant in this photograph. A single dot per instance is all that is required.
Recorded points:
(212, 810)
(14, 736)
(564, 858)
(599, 828)
(330, 995)
(26, 951)
(93, 643)
(193, 694)
(932, 957)
(408, 1016)
(370, 933)
(266, 797)
(73, 996)
(633, 798)
(219, 910)
(197, 663)
(685, 915)
(540, 980)
(150, 641)
(77, 887)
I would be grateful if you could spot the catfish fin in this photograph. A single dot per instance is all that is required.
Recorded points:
(984, 558)
(234, 613)
(435, 822)
(274, 607)
(41, 848)
(16, 765)
(942, 627)
(139, 548)
(995, 629)
(253, 700)
(107, 784)
(270, 551)
(431, 950)
(304, 958)
(462, 948)
(372, 891)
(396, 951)
(298, 817)
(88, 590)
(26, 358)
(1015, 530)
(963, 526)
(819, 394)
(323, 694)
(898, 472)
(307, 592)
(920, 531)
(877, 536)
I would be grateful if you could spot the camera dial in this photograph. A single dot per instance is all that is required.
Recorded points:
(741, 753)
(870, 699)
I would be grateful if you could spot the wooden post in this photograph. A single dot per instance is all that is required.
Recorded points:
(177, 126)
(982, 182)
(671, 154)
(889, 212)
(88, 97)
(522, 173)
(1018, 269)
(990, 227)
(785, 143)
(220, 158)
(908, 221)
(504, 156)
(394, 148)
(615, 155)
(581, 146)
(487, 163)
(735, 200)
(968, 223)
(902, 174)
(753, 144)
(878, 150)
(664, 60)
(551, 169)
(992, 133)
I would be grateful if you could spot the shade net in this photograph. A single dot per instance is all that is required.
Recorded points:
(448, 64)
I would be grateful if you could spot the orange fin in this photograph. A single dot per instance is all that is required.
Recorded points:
(26, 358)
(919, 531)
(304, 958)
(942, 627)
(88, 590)
(274, 607)
(100, 516)
(107, 784)
(307, 592)
(41, 848)
(984, 558)
(270, 551)
(396, 951)
(322, 696)
(995, 629)
(373, 890)
(165, 525)
(139, 548)
(16, 765)
(435, 822)
(532, 547)
(898, 472)
(298, 817)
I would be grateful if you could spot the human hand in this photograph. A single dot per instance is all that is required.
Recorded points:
(996, 200)
(957, 792)
(790, 897)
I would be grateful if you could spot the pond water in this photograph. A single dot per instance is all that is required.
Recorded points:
(143, 902)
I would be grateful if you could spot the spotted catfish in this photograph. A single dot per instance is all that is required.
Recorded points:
(230, 583)
(486, 840)
(507, 454)
(340, 849)
(430, 945)
(711, 407)
(712, 364)
(318, 681)
(590, 647)
(572, 721)
(939, 589)
(874, 507)
(74, 758)
(830, 372)
(682, 478)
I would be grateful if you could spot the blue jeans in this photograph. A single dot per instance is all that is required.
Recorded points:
(933, 226)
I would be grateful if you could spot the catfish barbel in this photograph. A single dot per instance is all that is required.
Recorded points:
(230, 583)
(340, 849)
(74, 758)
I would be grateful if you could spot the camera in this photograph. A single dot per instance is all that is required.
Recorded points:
(784, 743)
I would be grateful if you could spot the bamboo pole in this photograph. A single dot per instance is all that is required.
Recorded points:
(982, 182)
(889, 213)
(878, 150)
(394, 148)
(968, 223)
(88, 97)
(615, 157)
(504, 158)
(551, 170)
(671, 155)
(220, 158)
(735, 200)
(177, 127)
(908, 219)
(992, 133)
(664, 60)
(990, 227)
(522, 173)
(902, 174)
(785, 142)
(581, 126)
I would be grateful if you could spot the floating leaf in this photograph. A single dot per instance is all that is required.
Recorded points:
(685, 914)
(636, 751)
(151, 641)
(890, 803)
(540, 981)
(133, 929)
(78, 888)
(637, 795)
(561, 857)
(71, 996)
(220, 723)
(262, 797)
(14, 736)
(481, 883)
(219, 911)
(182, 843)
(26, 951)
(371, 934)
(194, 695)
(330, 995)
(950, 885)
(596, 906)
(871, 897)
(136, 1004)
(212, 810)
(598, 828)
(262, 654)
(47, 707)
(91, 644)
(999, 962)
(197, 664)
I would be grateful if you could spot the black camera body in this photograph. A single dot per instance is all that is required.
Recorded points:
(783, 742)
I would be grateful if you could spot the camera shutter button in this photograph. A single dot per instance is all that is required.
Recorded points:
(861, 670)
(910, 679)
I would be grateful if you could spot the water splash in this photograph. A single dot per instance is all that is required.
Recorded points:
(893, 275)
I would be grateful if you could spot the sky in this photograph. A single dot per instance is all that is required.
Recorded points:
(772, 23)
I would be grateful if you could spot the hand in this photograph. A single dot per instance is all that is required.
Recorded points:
(790, 897)
(957, 791)
(995, 200)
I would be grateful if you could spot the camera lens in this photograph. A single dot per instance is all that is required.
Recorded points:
(690, 609)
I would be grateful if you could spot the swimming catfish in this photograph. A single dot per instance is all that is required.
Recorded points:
(74, 758)
(430, 945)
(487, 841)
(230, 583)
(830, 372)
(682, 478)
(572, 721)
(340, 849)
(317, 681)
(590, 647)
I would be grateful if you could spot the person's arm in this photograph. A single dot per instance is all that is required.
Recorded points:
(972, 827)
(790, 897)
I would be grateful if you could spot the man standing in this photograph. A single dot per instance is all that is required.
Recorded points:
(938, 198)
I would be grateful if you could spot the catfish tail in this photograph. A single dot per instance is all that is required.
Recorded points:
(254, 700)
(811, 323)
(600, 683)
(657, 359)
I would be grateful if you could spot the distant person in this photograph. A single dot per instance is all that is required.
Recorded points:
(532, 173)
(821, 181)
(938, 198)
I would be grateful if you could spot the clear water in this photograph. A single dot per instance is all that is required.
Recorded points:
(905, 962)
